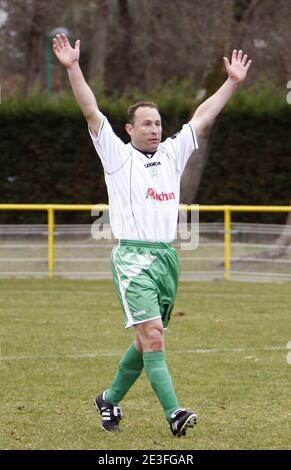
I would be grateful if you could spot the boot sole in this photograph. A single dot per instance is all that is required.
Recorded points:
(189, 423)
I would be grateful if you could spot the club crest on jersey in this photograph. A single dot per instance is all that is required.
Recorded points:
(148, 165)
(153, 194)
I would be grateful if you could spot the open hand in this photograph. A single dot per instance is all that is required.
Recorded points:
(239, 66)
(66, 54)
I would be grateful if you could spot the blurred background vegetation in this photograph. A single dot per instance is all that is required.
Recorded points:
(143, 43)
(170, 52)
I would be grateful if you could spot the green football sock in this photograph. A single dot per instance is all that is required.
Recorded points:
(130, 368)
(157, 373)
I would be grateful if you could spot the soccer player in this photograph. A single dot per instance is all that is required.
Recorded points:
(143, 181)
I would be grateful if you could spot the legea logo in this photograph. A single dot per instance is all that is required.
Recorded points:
(148, 165)
(152, 194)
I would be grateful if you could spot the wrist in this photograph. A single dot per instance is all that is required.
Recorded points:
(233, 83)
(73, 66)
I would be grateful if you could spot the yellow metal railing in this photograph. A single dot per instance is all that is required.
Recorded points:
(227, 225)
(226, 209)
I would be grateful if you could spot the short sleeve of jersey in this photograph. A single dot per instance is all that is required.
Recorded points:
(110, 148)
(181, 145)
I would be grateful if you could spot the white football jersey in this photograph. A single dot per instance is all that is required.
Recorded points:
(144, 189)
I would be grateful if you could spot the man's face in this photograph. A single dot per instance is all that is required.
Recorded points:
(146, 130)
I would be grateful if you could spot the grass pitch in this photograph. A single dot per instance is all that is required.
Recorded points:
(61, 341)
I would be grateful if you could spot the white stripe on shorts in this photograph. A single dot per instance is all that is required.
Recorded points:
(122, 291)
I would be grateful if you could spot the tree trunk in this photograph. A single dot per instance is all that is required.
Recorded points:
(281, 245)
(36, 44)
(99, 41)
(194, 169)
(119, 71)
(237, 14)
(125, 24)
(278, 249)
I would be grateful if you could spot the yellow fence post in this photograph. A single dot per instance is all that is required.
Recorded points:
(227, 241)
(51, 228)
(228, 209)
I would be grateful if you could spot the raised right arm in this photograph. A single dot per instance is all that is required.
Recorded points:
(69, 58)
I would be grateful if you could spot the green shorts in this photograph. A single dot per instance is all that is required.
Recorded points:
(145, 276)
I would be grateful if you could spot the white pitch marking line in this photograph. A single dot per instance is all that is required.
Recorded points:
(108, 354)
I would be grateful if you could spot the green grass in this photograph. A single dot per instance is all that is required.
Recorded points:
(219, 353)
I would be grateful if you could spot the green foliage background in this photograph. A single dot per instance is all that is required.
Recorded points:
(47, 156)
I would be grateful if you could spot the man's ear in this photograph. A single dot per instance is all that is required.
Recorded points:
(128, 128)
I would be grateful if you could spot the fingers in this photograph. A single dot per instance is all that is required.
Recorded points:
(56, 47)
(57, 43)
(226, 62)
(245, 62)
(77, 44)
(244, 59)
(238, 56)
(61, 41)
(249, 63)
(65, 40)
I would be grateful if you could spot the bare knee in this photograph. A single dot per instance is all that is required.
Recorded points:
(155, 340)
(150, 336)
(138, 344)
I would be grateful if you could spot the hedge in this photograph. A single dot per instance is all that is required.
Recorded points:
(47, 155)
(249, 163)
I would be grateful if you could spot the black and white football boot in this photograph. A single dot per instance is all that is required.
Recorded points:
(181, 420)
(111, 415)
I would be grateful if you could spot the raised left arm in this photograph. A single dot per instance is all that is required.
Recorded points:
(207, 111)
